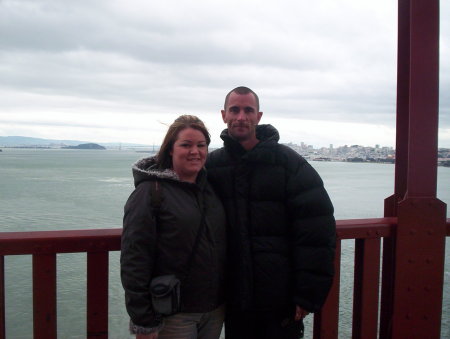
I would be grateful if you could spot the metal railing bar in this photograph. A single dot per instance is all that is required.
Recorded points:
(44, 296)
(326, 321)
(97, 295)
(366, 288)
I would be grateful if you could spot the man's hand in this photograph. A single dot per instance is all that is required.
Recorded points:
(300, 313)
(147, 336)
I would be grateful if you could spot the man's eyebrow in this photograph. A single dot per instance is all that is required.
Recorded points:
(237, 106)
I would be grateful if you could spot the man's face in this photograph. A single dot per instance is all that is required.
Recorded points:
(241, 116)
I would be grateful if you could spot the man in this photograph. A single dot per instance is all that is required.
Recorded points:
(281, 235)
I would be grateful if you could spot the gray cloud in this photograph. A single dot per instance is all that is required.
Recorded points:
(319, 60)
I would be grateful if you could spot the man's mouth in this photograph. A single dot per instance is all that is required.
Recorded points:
(240, 126)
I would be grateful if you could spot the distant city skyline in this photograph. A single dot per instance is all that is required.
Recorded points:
(15, 141)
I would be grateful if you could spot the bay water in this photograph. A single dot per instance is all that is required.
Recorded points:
(55, 189)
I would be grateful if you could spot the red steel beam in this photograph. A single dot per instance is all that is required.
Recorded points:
(401, 162)
(13, 243)
(70, 241)
(403, 98)
(366, 288)
(92, 240)
(420, 236)
(326, 321)
(97, 295)
(365, 228)
(424, 98)
(44, 296)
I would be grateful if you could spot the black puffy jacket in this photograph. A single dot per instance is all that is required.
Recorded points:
(149, 250)
(281, 235)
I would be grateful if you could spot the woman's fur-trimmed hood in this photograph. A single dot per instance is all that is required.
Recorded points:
(146, 169)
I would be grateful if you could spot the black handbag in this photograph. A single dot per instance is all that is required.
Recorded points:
(165, 289)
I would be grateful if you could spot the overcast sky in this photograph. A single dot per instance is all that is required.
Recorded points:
(107, 71)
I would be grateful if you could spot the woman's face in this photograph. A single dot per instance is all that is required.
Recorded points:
(189, 154)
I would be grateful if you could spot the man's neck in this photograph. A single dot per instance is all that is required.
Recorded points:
(249, 144)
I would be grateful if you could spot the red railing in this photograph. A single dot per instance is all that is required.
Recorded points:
(44, 246)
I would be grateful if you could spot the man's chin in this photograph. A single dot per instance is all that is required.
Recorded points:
(239, 133)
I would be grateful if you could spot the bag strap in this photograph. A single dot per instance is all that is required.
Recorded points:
(155, 198)
(156, 201)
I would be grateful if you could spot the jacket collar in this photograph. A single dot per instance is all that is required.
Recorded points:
(266, 134)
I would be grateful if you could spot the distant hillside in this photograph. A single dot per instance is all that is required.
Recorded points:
(17, 141)
(85, 146)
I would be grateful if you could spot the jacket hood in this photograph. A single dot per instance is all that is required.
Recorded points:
(146, 169)
(266, 134)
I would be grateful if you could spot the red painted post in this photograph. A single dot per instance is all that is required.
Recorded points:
(44, 296)
(326, 321)
(97, 295)
(420, 238)
(403, 97)
(366, 288)
(424, 99)
(2, 298)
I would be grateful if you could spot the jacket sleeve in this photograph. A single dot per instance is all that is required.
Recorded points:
(138, 245)
(313, 232)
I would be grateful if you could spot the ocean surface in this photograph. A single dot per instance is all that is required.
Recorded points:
(84, 189)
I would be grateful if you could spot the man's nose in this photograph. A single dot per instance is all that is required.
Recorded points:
(241, 115)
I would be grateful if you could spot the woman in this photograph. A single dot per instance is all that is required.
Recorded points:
(157, 245)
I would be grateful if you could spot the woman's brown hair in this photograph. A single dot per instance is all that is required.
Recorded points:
(163, 158)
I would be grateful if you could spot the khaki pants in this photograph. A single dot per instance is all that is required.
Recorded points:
(193, 325)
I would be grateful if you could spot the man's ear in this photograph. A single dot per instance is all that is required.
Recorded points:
(223, 115)
(260, 114)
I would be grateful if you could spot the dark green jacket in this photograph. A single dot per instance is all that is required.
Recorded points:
(281, 235)
(150, 249)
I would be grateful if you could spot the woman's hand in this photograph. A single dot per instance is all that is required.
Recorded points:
(300, 313)
(147, 336)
